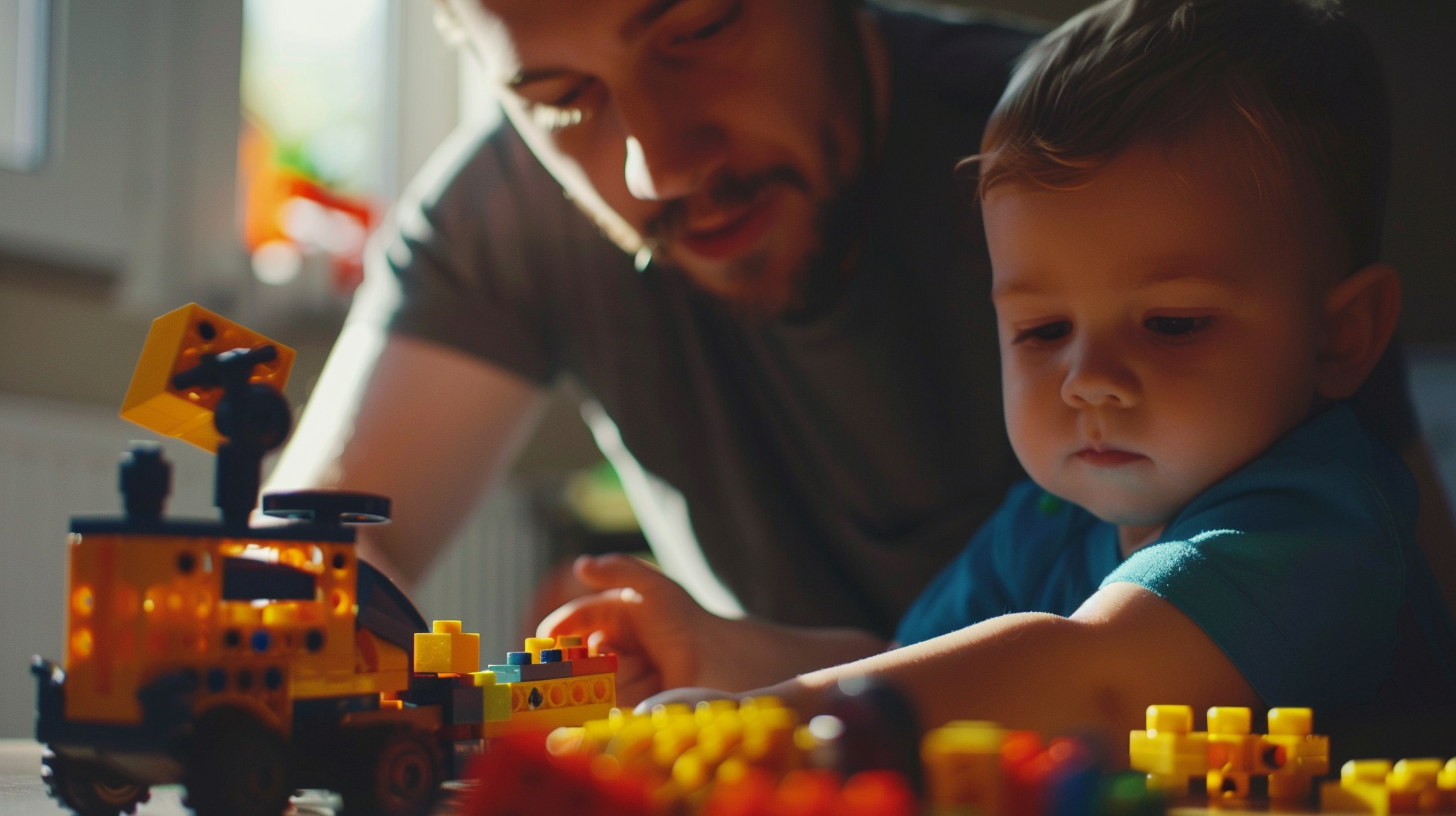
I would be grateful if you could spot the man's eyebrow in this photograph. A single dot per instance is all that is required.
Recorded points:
(632, 29)
(646, 17)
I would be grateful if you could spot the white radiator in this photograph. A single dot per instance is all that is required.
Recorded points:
(59, 459)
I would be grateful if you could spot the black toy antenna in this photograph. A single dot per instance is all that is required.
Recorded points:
(252, 419)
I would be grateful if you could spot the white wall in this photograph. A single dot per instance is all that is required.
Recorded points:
(139, 178)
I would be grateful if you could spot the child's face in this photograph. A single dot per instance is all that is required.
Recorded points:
(1157, 333)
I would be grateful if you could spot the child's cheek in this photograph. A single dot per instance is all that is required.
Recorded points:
(1032, 404)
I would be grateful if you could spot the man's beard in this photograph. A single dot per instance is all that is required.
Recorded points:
(752, 285)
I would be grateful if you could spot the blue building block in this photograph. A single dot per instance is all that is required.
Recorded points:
(530, 673)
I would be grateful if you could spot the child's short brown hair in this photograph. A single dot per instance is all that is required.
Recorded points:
(1293, 82)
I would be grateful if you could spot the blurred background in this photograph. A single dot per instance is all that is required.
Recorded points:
(238, 152)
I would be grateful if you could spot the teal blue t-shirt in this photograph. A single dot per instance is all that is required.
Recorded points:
(1302, 567)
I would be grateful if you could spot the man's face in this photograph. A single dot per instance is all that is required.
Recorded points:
(1157, 333)
(722, 132)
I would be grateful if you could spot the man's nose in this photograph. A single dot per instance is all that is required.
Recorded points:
(670, 153)
(1098, 377)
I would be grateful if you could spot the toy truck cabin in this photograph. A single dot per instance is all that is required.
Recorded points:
(247, 662)
(232, 662)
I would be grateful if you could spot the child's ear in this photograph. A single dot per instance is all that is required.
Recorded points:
(1361, 313)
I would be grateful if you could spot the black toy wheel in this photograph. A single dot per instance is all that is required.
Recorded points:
(398, 773)
(90, 788)
(236, 766)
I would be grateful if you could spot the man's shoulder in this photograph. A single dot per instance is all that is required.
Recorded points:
(964, 54)
(479, 161)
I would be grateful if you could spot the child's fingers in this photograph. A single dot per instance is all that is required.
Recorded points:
(605, 611)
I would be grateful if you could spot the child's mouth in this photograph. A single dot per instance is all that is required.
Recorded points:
(1108, 457)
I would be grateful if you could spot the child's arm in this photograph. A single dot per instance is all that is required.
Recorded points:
(1123, 650)
(663, 639)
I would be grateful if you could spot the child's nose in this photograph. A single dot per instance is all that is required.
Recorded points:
(1099, 378)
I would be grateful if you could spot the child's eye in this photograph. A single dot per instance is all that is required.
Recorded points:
(1176, 327)
(1046, 332)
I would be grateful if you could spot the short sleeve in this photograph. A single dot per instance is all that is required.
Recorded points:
(1030, 556)
(466, 247)
(1294, 567)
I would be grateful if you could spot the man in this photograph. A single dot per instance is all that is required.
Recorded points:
(762, 272)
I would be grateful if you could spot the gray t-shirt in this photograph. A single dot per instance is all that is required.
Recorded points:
(830, 466)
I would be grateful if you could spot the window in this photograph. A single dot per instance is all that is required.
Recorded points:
(24, 58)
(314, 154)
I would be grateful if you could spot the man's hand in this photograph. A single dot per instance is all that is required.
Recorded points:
(656, 629)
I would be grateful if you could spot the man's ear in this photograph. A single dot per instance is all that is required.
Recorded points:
(1361, 314)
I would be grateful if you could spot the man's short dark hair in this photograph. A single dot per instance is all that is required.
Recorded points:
(1293, 81)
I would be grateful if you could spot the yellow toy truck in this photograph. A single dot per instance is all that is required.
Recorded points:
(246, 662)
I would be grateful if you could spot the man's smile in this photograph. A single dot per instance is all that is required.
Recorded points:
(727, 238)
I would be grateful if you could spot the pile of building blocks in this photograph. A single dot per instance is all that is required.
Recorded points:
(759, 758)
(979, 767)
(1380, 787)
(1227, 755)
(550, 684)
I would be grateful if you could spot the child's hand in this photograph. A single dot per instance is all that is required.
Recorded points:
(657, 630)
(664, 640)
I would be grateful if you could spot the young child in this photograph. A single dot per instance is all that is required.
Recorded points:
(1183, 203)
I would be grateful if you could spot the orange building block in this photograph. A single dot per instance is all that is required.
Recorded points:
(447, 650)
(175, 344)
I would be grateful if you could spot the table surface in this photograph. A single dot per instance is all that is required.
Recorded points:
(22, 793)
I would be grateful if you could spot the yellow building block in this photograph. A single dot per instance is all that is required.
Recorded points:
(447, 649)
(1361, 789)
(432, 653)
(1412, 785)
(567, 692)
(1232, 752)
(535, 645)
(546, 719)
(962, 762)
(1446, 781)
(497, 696)
(1169, 751)
(176, 343)
(1292, 754)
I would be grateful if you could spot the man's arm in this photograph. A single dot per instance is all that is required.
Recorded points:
(424, 424)
(1123, 650)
